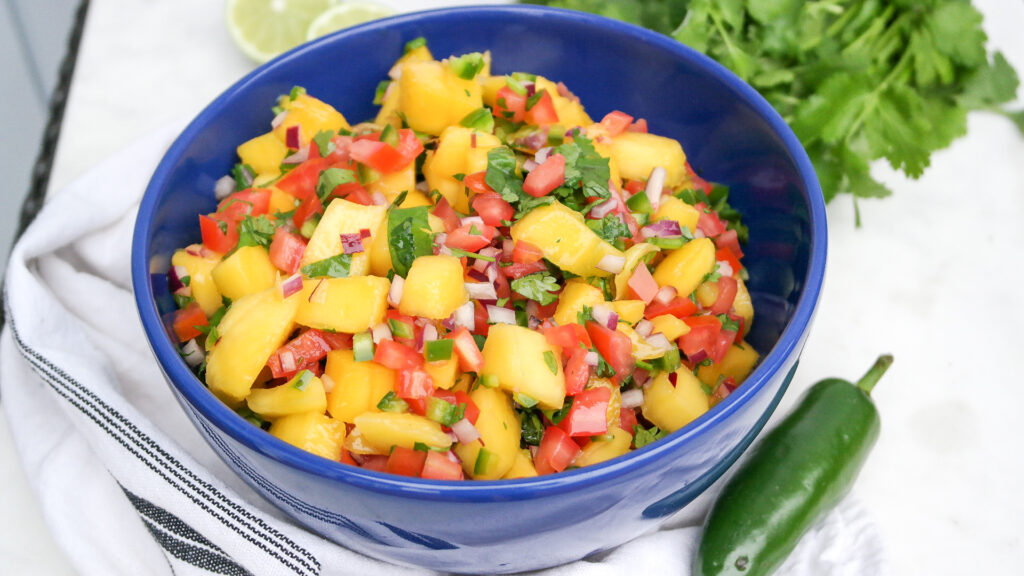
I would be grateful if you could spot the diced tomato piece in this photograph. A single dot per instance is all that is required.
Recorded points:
(301, 181)
(397, 356)
(480, 318)
(383, 157)
(581, 333)
(286, 250)
(406, 461)
(218, 234)
(517, 270)
(722, 343)
(543, 110)
(439, 467)
(413, 383)
(337, 340)
(447, 214)
(492, 208)
(680, 307)
(526, 253)
(477, 183)
(642, 285)
(502, 287)
(727, 287)
(306, 348)
(702, 335)
(725, 254)
(346, 458)
(375, 462)
(186, 319)
(730, 240)
(588, 415)
(472, 412)
(615, 347)
(463, 237)
(510, 105)
(340, 153)
(546, 177)
(250, 202)
(564, 337)
(709, 223)
(697, 181)
(639, 126)
(616, 122)
(353, 192)
(556, 452)
(470, 357)
(627, 419)
(309, 206)
(634, 187)
(577, 372)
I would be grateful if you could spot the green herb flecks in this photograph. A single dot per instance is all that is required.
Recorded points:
(409, 237)
(336, 266)
(540, 287)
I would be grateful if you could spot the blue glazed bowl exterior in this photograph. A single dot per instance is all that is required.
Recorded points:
(731, 135)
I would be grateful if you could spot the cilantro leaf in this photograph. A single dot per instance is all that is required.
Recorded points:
(331, 179)
(334, 267)
(540, 287)
(409, 237)
(255, 231)
(610, 228)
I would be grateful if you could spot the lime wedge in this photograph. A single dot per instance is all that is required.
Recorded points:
(265, 28)
(345, 15)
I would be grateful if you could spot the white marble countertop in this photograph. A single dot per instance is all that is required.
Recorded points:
(933, 275)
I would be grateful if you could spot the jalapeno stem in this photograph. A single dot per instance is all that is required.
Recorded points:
(867, 383)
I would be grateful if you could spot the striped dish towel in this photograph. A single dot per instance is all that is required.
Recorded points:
(127, 485)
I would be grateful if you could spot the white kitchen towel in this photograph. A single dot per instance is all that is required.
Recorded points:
(127, 485)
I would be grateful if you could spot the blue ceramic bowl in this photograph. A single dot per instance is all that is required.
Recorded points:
(731, 135)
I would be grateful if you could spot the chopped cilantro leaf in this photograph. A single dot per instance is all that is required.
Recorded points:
(334, 267)
(540, 287)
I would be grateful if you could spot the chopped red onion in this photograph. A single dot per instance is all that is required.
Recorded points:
(298, 157)
(698, 233)
(465, 431)
(184, 292)
(440, 239)
(379, 199)
(443, 250)
(450, 454)
(603, 209)
(564, 92)
(422, 186)
(531, 88)
(328, 382)
(606, 316)
(291, 285)
(655, 184)
(291, 137)
(481, 291)
(533, 322)
(534, 140)
(477, 275)
(659, 341)
(665, 294)
(365, 233)
(319, 294)
(278, 119)
(508, 246)
(395, 293)
(612, 263)
(472, 139)
(472, 220)
(174, 276)
(489, 252)
(381, 332)
(633, 398)
(287, 361)
(641, 376)
(224, 187)
(591, 358)
(644, 328)
(698, 356)
(542, 155)
(661, 229)
(725, 269)
(530, 165)
(501, 315)
(429, 333)
(492, 272)
(352, 243)
(465, 316)
(193, 353)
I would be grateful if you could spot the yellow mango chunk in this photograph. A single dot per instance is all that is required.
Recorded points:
(263, 153)
(347, 305)
(280, 201)
(670, 326)
(251, 330)
(629, 311)
(433, 98)
(517, 357)
(638, 153)
(574, 297)
(685, 267)
(394, 183)
(564, 239)
(199, 263)
(457, 153)
(641, 349)
(672, 208)
(500, 431)
(310, 115)
(603, 449)
(288, 399)
(358, 386)
(389, 105)
(313, 432)
(245, 272)
(344, 217)
(614, 401)
(444, 373)
(634, 254)
(737, 364)
(672, 407)
(570, 112)
(382, 430)
(743, 305)
(434, 287)
(522, 466)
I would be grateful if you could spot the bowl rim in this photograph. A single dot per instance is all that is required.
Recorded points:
(190, 388)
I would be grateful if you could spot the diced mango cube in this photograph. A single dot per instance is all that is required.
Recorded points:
(522, 360)
(460, 150)
(263, 153)
(670, 326)
(289, 398)
(444, 373)
(629, 311)
(499, 429)
(394, 183)
(199, 263)
(433, 97)
(344, 217)
(672, 407)
(389, 106)
(313, 432)
(743, 305)
(672, 208)
(522, 466)
(574, 297)
(434, 287)
(637, 153)
(310, 115)
(245, 272)
(347, 305)
(602, 449)
(685, 267)
(358, 386)
(737, 364)
(564, 239)
(382, 430)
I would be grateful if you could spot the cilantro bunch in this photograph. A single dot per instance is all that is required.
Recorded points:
(857, 80)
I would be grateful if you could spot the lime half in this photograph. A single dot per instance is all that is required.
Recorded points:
(265, 28)
(345, 15)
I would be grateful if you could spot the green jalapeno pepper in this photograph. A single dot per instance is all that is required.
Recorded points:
(799, 471)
